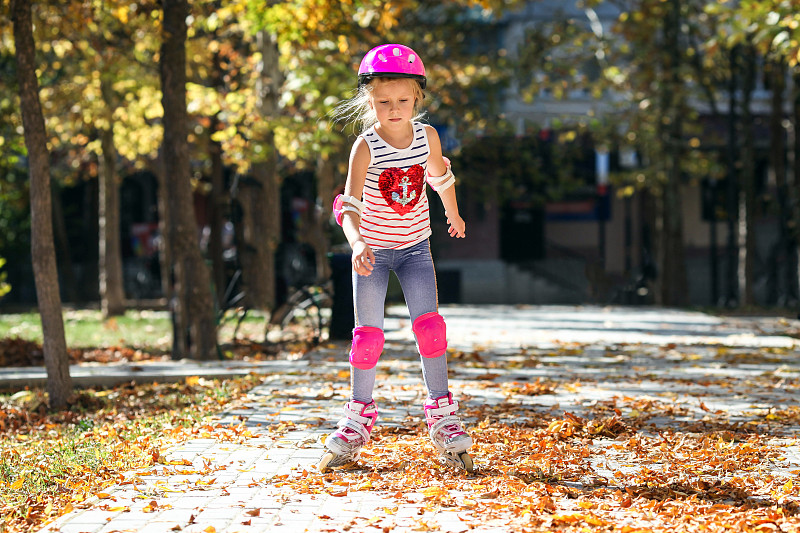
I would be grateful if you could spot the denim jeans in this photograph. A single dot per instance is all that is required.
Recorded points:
(414, 269)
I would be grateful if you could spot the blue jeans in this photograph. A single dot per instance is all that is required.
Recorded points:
(415, 271)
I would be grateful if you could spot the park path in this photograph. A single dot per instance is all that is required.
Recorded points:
(248, 470)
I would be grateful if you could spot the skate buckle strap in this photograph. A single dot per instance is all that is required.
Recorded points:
(349, 423)
(440, 424)
(442, 411)
(357, 416)
(357, 422)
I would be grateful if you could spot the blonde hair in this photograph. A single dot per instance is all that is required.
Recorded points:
(358, 111)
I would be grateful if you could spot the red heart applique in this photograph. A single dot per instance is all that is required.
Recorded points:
(402, 190)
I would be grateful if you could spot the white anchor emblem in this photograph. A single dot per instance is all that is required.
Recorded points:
(405, 199)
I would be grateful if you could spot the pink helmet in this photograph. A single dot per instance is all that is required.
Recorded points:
(391, 61)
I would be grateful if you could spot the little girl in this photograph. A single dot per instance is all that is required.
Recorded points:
(385, 216)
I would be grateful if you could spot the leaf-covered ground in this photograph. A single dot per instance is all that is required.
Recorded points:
(51, 463)
(660, 460)
(692, 431)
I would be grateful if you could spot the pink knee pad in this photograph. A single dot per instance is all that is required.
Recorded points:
(367, 347)
(431, 334)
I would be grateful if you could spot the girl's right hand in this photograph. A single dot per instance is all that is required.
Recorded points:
(363, 258)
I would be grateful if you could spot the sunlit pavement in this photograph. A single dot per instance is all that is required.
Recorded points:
(699, 370)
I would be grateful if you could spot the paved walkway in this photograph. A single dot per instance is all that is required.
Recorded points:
(245, 471)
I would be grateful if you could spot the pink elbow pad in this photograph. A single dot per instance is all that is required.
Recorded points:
(343, 204)
(431, 334)
(446, 163)
(367, 347)
(337, 209)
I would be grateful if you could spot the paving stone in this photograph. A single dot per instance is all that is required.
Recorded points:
(626, 353)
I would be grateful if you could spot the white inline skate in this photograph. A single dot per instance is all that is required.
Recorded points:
(344, 445)
(447, 432)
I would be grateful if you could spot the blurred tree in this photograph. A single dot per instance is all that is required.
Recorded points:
(193, 315)
(219, 85)
(14, 183)
(5, 288)
(321, 45)
(59, 382)
(104, 53)
(643, 60)
(671, 284)
(787, 245)
(110, 54)
(754, 33)
(261, 209)
(100, 93)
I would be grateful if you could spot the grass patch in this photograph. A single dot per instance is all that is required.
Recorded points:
(146, 329)
(86, 328)
(51, 462)
(135, 336)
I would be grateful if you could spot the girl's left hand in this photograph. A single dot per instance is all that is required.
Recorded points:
(457, 226)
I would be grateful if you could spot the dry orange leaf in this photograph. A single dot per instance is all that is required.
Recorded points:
(434, 492)
(568, 518)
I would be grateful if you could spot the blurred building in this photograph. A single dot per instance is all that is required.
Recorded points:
(593, 246)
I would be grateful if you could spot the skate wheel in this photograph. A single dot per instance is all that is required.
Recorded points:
(324, 461)
(466, 461)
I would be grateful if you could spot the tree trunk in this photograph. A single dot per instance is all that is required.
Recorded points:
(320, 240)
(732, 189)
(218, 197)
(194, 327)
(164, 248)
(747, 243)
(795, 186)
(59, 381)
(673, 286)
(261, 201)
(112, 295)
(90, 227)
(63, 252)
(217, 222)
(786, 245)
(261, 233)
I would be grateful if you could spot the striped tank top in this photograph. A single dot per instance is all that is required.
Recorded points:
(396, 213)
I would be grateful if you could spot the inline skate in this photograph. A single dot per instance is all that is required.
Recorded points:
(447, 432)
(344, 445)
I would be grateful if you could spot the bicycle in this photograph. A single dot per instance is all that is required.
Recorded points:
(306, 314)
(231, 308)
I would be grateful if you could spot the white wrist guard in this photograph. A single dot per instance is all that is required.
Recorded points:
(442, 182)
